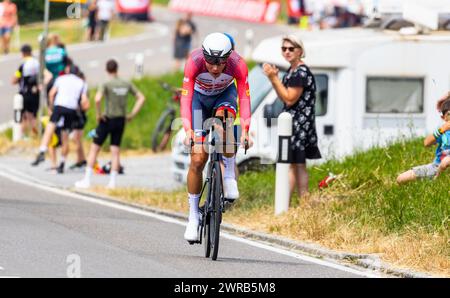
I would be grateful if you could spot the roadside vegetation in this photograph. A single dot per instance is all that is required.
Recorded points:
(138, 132)
(363, 211)
(71, 30)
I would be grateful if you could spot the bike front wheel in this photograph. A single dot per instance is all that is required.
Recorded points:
(216, 214)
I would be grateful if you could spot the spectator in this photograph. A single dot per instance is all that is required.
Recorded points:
(441, 138)
(92, 10)
(27, 79)
(297, 90)
(112, 123)
(441, 100)
(78, 131)
(8, 20)
(104, 15)
(184, 31)
(63, 104)
(55, 56)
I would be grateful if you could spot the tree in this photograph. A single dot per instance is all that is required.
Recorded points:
(33, 10)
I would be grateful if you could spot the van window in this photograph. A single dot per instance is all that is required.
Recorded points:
(321, 94)
(394, 95)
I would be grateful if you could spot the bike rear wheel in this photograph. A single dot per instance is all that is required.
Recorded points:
(161, 134)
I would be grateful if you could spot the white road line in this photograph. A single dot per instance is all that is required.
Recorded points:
(1, 83)
(2, 269)
(182, 223)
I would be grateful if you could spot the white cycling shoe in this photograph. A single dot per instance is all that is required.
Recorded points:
(83, 184)
(191, 233)
(230, 189)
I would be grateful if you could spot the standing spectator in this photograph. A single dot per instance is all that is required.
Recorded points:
(78, 130)
(104, 15)
(184, 31)
(112, 123)
(55, 56)
(8, 20)
(297, 90)
(92, 10)
(27, 79)
(63, 104)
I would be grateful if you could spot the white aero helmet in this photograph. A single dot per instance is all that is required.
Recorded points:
(217, 48)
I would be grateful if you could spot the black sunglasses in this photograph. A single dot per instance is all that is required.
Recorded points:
(291, 49)
(215, 60)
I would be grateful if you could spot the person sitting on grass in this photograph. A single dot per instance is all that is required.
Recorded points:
(441, 137)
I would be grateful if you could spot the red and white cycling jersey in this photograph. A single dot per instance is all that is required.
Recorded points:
(197, 77)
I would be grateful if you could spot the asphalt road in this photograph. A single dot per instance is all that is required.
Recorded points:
(44, 233)
(155, 44)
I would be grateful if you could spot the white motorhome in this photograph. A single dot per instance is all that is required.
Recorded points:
(374, 86)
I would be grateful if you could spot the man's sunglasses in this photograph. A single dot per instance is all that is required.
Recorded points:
(215, 60)
(291, 49)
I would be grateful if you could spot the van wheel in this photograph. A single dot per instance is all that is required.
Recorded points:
(254, 165)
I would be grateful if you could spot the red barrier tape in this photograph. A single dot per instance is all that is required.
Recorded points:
(265, 11)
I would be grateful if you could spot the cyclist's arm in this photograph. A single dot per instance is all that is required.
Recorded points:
(139, 102)
(98, 101)
(190, 73)
(51, 96)
(85, 104)
(244, 95)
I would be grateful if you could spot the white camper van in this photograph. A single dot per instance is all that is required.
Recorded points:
(373, 86)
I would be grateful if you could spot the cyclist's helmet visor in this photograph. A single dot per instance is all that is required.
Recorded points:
(215, 60)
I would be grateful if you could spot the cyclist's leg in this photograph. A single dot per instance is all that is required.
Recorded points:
(199, 159)
(117, 128)
(48, 133)
(64, 147)
(227, 102)
(102, 132)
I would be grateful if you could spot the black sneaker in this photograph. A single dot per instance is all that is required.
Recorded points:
(40, 158)
(78, 165)
(60, 169)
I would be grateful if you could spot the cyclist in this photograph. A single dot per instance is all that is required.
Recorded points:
(112, 123)
(64, 100)
(209, 86)
(27, 79)
(56, 58)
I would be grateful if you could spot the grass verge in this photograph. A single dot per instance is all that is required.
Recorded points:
(364, 211)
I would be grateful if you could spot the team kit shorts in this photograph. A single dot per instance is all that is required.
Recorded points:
(65, 115)
(31, 104)
(114, 127)
(203, 107)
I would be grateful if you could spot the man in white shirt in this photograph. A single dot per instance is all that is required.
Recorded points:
(105, 13)
(64, 100)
